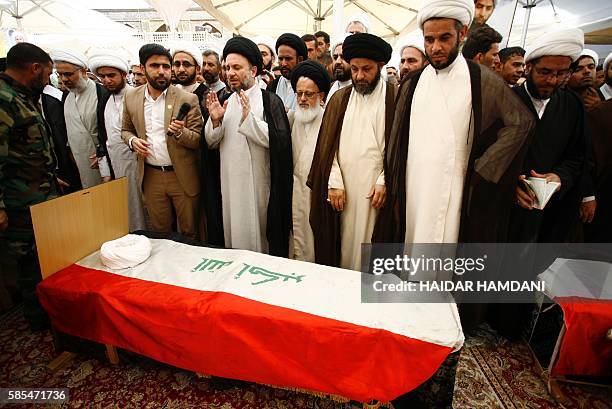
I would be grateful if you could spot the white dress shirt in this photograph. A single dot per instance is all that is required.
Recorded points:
(538, 104)
(154, 113)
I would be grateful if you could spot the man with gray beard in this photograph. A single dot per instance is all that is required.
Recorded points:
(310, 82)
(347, 177)
(84, 115)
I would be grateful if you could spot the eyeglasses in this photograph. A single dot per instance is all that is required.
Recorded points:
(185, 64)
(544, 72)
(308, 94)
(67, 73)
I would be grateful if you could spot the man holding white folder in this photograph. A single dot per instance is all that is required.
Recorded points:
(555, 158)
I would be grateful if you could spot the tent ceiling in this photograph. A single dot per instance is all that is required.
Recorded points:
(388, 18)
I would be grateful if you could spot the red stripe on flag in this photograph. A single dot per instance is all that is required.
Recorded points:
(585, 349)
(234, 337)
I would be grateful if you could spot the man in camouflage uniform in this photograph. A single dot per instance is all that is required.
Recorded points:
(27, 167)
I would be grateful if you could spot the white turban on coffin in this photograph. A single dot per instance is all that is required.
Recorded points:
(460, 10)
(607, 62)
(566, 42)
(70, 56)
(587, 52)
(188, 48)
(127, 251)
(107, 59)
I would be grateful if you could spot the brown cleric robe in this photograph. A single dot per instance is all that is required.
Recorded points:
(600, 124)
(502, 125)
(324, 220)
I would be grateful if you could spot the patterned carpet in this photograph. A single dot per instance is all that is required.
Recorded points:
(492, 373)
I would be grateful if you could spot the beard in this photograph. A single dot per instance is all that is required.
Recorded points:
(38, 84)
(364, 87)
(159, 83)
(79, 86)
(533, 90)
(210, 78)
(244, 85)
(188, 80)
(268, 66)
(307, 115)
(452, 56)
(340, 74)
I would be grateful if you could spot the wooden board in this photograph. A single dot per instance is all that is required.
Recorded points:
(73, 226)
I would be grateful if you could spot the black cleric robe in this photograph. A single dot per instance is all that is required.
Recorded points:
(559, 146)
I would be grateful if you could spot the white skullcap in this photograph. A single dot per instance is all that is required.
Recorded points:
(587, 52)
(460, 10)
(107, 59)
(607, 62)
(267, 41)
(567, 42)
(359, 18)
(414, 44)
(70, 56)
(127, 251)
(188, 48)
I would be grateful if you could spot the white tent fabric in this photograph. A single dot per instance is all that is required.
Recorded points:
(388, 18)
(588, 15)
(62, 23)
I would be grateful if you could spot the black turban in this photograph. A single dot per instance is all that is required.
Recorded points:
(363, 45)
(294, 42)
(313, 70)
(247, 48)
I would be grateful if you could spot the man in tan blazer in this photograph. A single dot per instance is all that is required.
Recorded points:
(167, 149)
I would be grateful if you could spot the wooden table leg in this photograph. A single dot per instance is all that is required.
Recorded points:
(111, 353)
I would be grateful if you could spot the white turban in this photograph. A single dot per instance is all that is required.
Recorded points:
(70, 56)
(460, 10)
(188, 48)
(360, 18)
(590, 53)
(607, 62)
(107, 59)
(567, 42)
(267, 41)
(127, 251)
(414, 44)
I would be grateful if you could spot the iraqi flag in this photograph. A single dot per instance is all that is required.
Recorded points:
(244, 315)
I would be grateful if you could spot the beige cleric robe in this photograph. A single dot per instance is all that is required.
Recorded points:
(123, 159)
(438, 154)
(303, 142)
(244, 149)
(80, 113)
(358, 166)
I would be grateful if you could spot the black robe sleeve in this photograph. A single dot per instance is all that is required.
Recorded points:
(281, 175)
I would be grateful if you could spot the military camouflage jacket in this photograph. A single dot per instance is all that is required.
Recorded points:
(27, 161)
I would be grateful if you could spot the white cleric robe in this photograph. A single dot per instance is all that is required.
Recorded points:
(286, 93)
(337, 86)
(303, 141)
(357, 168)
(123, 160)
(438, 152)
(245, 171)
(80, 113)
